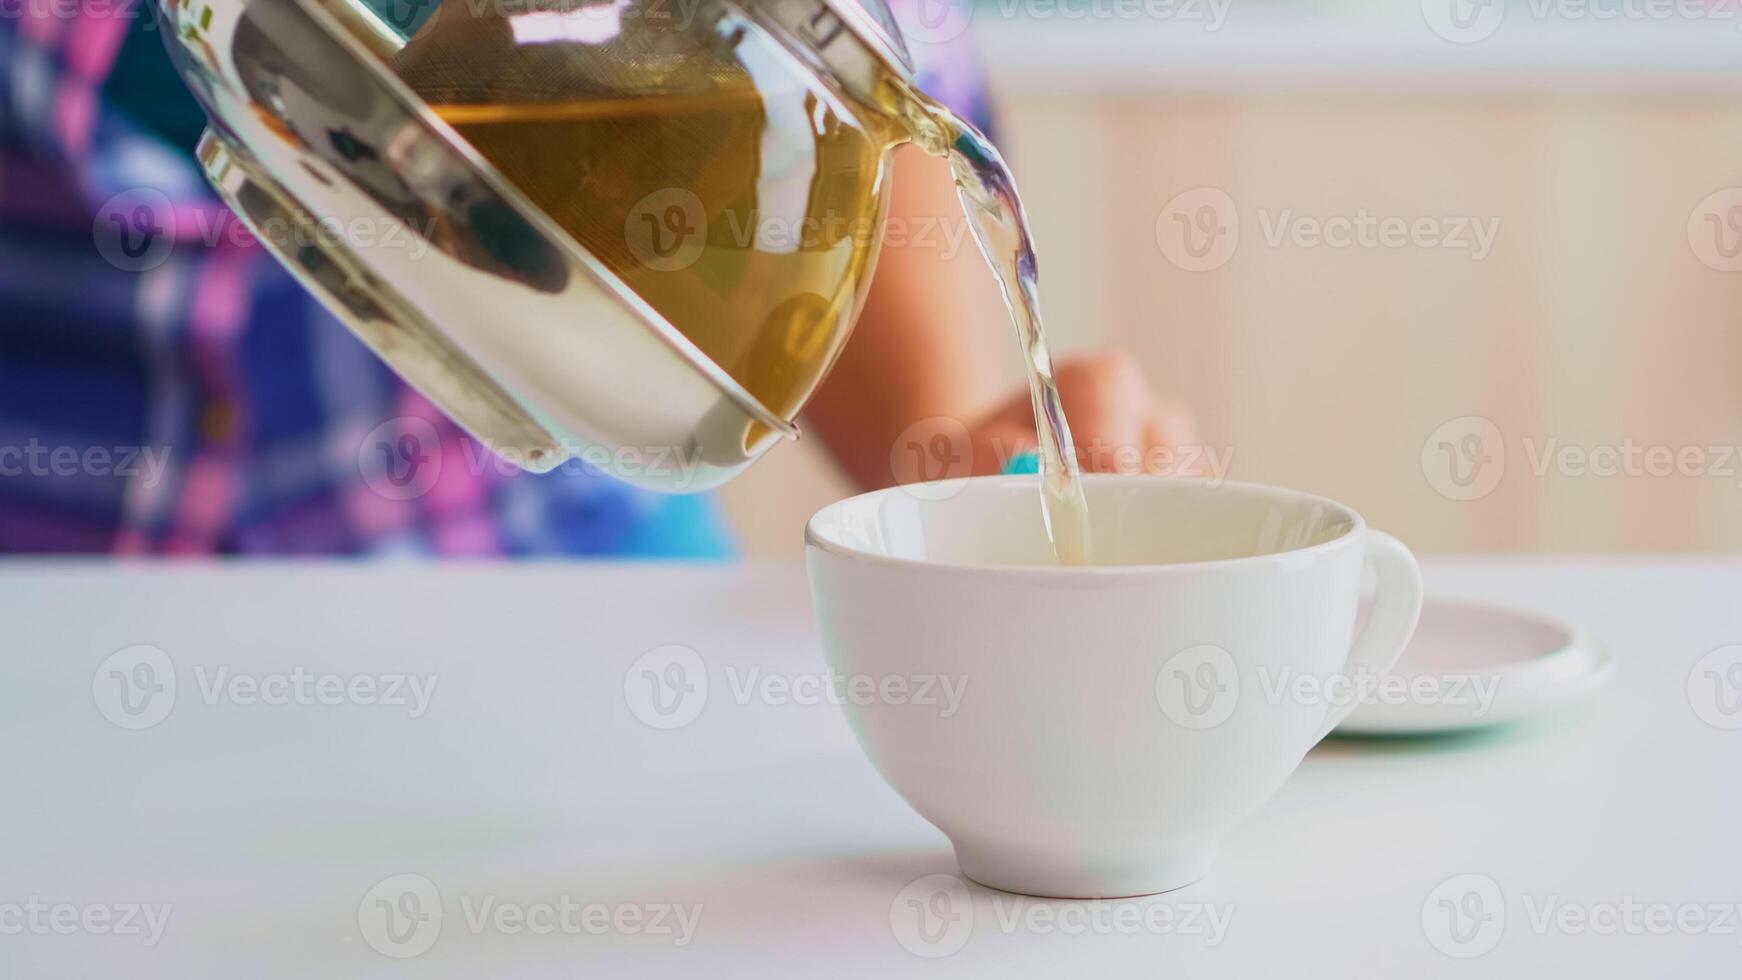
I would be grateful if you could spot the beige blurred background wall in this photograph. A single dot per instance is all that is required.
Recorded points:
(1599, 318)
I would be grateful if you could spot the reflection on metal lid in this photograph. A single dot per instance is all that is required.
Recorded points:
(587, 24)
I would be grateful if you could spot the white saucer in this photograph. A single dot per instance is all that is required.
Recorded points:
(1474, 665)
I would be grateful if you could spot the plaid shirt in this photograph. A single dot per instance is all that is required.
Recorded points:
(203, 403)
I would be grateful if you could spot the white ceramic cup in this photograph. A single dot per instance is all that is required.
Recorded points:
(1113, 721)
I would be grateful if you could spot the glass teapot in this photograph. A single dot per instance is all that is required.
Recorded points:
(633, 231)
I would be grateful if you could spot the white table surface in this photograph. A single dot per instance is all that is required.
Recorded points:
(258, 829)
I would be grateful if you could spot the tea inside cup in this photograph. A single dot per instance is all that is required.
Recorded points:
(996, 521)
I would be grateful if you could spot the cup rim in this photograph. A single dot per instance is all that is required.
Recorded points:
(813, 538)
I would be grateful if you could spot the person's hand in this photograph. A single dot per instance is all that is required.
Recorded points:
(920, 394)
(1117, 423)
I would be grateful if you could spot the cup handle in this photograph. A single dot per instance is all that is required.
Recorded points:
(1396, 607)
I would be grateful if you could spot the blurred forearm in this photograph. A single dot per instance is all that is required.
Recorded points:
(930, 338)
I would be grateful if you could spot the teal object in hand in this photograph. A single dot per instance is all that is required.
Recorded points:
(1023, 463)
